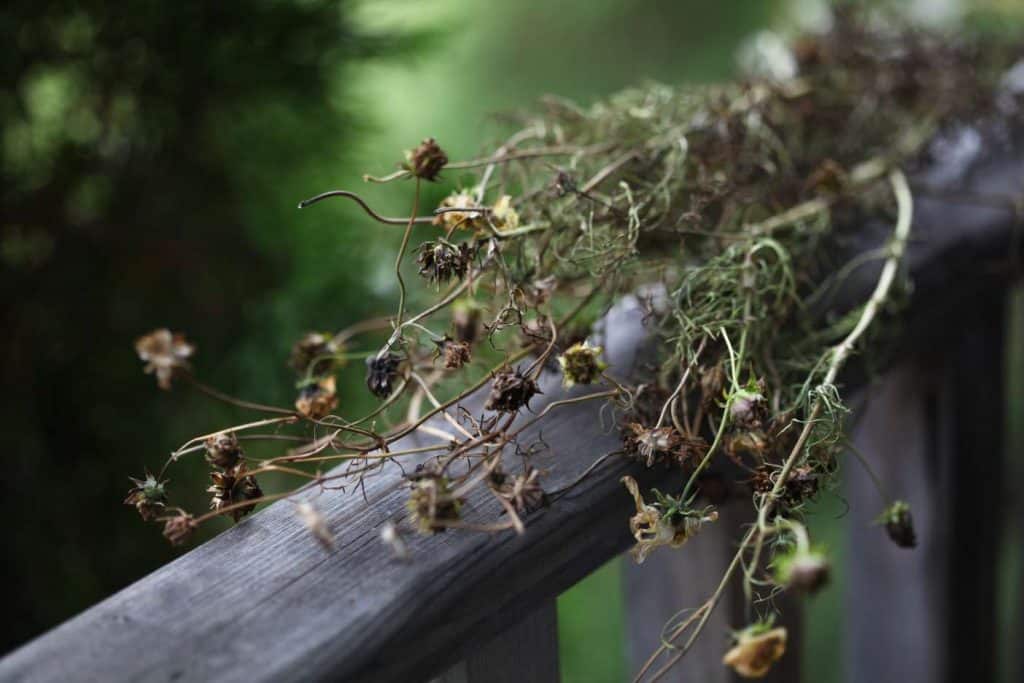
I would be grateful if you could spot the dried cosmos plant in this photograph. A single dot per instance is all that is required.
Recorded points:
(728, 199)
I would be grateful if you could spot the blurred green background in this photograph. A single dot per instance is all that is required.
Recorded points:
(152, 157)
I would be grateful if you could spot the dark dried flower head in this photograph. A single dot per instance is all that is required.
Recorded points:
(523, 491)
(314, 354)
(317, 399)
(179, 528)
(164, 353)
(231, 487)
(426, 160)
(455, 353)
(442, 261)
(431, 502)
(651, 445)
(511, 390)
(466, 320)
(148, 496)
(806, 571)
(899, 524)
(223, 450)
(581, 364)
(381, 372)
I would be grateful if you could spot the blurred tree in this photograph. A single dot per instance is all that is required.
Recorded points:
(140, 173)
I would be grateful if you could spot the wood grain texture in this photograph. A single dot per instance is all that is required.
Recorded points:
(264, 602)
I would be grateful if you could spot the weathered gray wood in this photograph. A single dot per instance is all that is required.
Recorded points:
(527, 651)
(264, 602)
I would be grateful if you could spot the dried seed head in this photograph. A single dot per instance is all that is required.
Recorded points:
(316, 523)
(806, 571)
(756, 650)
(750, 442)
(511, 390)
(650, 445)
(231, 487)
(466, 320)
(164, 353)
(442, 261)
(317, 400)
(314, 354)
(523, 491)
(426, 160)
(179, 528)
(455, 353)
(148, 496)
(899, 524)
(223, 450)
(381, 372)
(431, 502)
(581, 364)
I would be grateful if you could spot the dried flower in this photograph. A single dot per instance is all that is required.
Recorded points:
(466, 320)
(316, 523)
(148, 496)
(179, 528)
(660, 445)
(223, 450)
(441, 261)
(431, 502)
(800, 566)
(231, 487)
(466, 218)
(381, 372)
(164, 353)
(666, 522)
(899, 524)
(523, 491)
(455, 353)
(756, 649)
(426, 160)
(391, 537)
(712, 384)
(503, 216)
(581, 364)
(317, 399)
(314, 354)
(511, 390)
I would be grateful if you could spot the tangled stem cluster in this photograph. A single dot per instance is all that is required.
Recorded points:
(728, 203)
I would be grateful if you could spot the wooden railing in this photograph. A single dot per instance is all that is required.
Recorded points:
(263, 602)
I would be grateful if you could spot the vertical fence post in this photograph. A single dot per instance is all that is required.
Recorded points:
(933, 431)
(528, 651)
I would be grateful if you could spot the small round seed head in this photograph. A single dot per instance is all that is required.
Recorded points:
(231, 487)
(381, 373)
(317, 399)
(805, 571)
(511, 390)
(426, 160)
(581, 364)
(223, 450)
(179, 528)
(899, 524)
(455, 353)
(442, 261)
